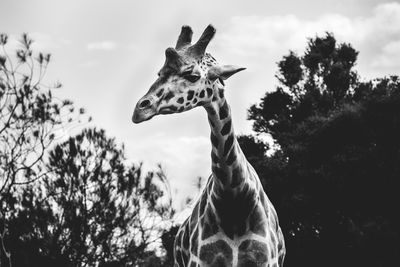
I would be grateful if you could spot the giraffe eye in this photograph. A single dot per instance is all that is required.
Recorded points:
(192, 77)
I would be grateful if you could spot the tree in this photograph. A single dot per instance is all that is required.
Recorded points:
(93, 209)
(31, 118)
(168, 240)
(29, 114)
(333, 177)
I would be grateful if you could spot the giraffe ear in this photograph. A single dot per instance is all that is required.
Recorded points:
(222, 72)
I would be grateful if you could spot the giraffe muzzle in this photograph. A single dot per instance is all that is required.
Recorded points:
(145, 110)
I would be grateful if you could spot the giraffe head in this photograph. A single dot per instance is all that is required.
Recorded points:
(186, 80)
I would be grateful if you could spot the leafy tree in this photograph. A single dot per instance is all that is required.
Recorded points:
(31, 118)
(168, 239)
(80, 203)
(93, 209)
(333, 178)
(30, 115)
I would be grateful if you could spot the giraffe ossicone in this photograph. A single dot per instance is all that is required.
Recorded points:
(233, 223)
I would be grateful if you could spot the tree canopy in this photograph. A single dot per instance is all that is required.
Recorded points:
(31, 118)
(333, 179)
(70, 200)
(92, 209)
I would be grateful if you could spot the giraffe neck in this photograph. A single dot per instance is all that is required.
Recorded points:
(228, 162)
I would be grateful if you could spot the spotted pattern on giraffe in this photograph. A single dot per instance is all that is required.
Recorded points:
(168, 96)
(181, 254)
(159, 94)
(185, 257)
(210, 185)
(228, 144)
(178, 257)
(211, 123)
(179, 235)
(249, 259)
(273, 253)
(252, 253)
(193, 218)
(180, 100)
(209, 92)
(214, 157)
(221, 93)
(226, 128)
(220, 173)
(264, 202)
(257, 221)
(272, 237)
(236, 177)
(281, 248)
(190, 95)
(194, 242)
(202, 94)
(214, 140)
(216, 254)
(231, 158)
(233, 210)
(209, 222)
(203, 203)
(210, 111)
(223, 112)
(185, 237)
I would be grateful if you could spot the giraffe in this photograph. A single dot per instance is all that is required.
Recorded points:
(233, 223)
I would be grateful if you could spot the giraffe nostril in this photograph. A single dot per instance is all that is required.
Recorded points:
(144, 103)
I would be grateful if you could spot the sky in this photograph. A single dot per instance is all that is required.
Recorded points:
(107, 54)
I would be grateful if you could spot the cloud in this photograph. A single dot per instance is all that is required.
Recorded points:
(89, 63)
(47, 43)
(389, 58)
(376, 36)
(103, 45)
(183, 158)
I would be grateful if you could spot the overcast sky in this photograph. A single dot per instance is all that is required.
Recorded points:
(107, 54)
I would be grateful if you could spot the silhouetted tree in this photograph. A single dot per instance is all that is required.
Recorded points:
(31, 118)
(29, 114)
(92, 209)
(333, 178)
(168, 239)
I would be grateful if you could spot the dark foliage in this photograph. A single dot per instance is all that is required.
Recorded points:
(92, 208)
(333, 179)
(30, 116)
(31, 119)
(75, 203)
(168, 239)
